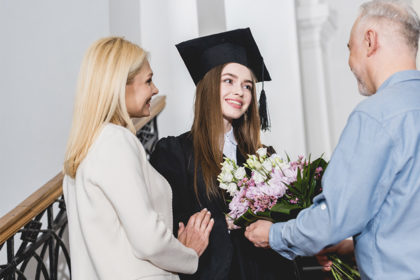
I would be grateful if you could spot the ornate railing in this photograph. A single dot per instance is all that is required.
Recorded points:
(31, 235)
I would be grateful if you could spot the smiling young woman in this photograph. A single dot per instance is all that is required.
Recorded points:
(216, 115)
(225, 68)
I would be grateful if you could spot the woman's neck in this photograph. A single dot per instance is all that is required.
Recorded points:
(227, 125)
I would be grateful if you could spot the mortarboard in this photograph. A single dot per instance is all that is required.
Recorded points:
(200, 55)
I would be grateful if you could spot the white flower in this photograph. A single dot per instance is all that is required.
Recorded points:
(223, 186)
(258, 177)
(280, 164)
(257, 165)
(267, 164)
(240, 173)
(262, 152)
(227, 177)
(227, 166)
(232, 189)
(250, 161)
(274, 156)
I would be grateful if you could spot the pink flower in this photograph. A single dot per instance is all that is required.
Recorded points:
(277, 184)
(239, 204)
(294, 201)
(260, 198)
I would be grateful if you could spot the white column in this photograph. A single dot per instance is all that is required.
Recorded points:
(313, 26)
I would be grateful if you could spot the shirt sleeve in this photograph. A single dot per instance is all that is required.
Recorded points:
(121, 175)
(355, 185)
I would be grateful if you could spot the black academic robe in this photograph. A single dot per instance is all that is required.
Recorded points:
(228, 255)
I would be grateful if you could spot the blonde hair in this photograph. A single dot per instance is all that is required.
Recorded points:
(107, 67)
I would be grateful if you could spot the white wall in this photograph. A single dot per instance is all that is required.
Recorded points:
(42, 44)
(211, 16)
(124, 19)
(342, 86)
(273, 25)
(165, 23)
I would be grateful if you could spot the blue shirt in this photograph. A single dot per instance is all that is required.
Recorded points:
(371, 188)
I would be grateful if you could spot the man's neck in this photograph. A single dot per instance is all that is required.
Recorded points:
(389, 67)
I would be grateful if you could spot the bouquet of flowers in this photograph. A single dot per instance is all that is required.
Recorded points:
(270, 188)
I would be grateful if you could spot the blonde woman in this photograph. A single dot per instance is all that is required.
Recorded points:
(119, 208)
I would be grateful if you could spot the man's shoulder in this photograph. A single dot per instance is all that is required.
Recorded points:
(391, 102)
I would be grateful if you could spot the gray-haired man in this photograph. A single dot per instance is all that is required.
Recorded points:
(371, 188)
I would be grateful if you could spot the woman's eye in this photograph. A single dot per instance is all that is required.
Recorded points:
(228, 81)
(149, 81)
(248, 87)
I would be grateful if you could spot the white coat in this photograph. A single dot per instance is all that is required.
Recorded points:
(120, 214)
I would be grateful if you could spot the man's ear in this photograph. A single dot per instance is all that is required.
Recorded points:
(371, 42)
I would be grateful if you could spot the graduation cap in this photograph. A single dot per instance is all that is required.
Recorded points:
(202, 54)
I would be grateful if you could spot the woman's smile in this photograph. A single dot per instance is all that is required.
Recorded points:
(235, 103)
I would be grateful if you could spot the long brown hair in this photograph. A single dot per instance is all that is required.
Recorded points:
(208, 131)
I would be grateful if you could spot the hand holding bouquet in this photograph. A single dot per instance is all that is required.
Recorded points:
(274, 189)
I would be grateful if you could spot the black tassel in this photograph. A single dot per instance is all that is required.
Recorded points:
(263, 111)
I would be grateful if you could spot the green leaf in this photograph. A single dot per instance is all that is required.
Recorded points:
(246, 219)
(287, 156)
(284, 208)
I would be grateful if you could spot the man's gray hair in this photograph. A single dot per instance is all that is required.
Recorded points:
(397, 11)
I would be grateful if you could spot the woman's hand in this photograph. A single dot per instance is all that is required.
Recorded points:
(230, 224)
(196, 234)
(344, 248)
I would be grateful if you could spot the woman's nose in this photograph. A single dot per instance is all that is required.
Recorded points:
(239, 90)
(155, 90)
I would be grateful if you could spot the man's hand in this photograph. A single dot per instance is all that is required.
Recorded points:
(258, 233)
(344, 248)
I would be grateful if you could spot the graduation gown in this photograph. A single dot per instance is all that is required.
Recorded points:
(228, 255)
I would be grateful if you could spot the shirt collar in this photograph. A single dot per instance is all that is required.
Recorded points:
(229, 136)
(400, 77)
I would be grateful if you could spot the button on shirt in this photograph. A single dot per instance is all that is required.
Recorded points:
(229, 147)
(371, 188)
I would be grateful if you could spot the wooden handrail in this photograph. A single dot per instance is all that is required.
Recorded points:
(30, 207)
(37, 202)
